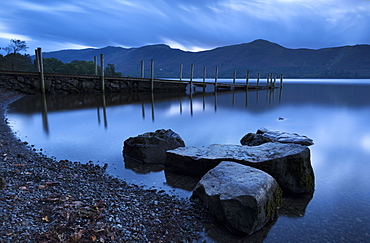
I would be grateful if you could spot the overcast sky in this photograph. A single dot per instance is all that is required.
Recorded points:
(186, 24)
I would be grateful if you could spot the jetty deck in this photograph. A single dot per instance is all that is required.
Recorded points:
(34, 82)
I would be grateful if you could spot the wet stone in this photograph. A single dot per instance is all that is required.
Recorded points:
(243, 198)
(151, 147)
(289, 164)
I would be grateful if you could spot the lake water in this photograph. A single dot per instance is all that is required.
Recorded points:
(334, 113)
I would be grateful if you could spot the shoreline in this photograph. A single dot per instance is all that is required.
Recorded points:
(45, 200)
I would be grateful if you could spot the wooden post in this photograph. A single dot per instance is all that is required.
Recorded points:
(258, 79)
(204, 78)
(216, 77)
(267, 80)
(270, 84)
(191, 76)
(234, 79)
(37, 60)
(41, 66)
(247, 80)
(142, 69)
(274, 80)
(181, 72)
(152, 75)
(95, 65)
(281, 80)
(102, 73)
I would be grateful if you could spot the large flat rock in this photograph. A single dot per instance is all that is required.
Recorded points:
(289, 164)
(241, 197)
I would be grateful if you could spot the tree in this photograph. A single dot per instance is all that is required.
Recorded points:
(51, 65)
(15, 46)
(110, 70)
(14, 60)
(17, 62)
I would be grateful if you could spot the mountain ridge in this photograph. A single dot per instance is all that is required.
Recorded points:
(258, 56)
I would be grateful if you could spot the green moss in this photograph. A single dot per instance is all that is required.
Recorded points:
(304, 176)
(271, 206)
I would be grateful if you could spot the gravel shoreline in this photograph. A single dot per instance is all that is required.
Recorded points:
(44, 200)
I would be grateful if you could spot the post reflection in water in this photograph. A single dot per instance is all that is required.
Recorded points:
(233, 99)
(280, 93)
(143, 110)
(102, 105)
(246, 98)
(98, 114)
(45, 122)
(191, 103)
(105, 111)
(152, 102)
(180, 106)
(215, 101)
(204, 102)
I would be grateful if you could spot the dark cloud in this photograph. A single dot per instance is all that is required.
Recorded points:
(185, 24)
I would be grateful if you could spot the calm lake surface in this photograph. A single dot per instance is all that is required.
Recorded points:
(334, 113)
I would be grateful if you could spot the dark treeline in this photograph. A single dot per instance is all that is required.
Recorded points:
(19, 62)
(14, 61)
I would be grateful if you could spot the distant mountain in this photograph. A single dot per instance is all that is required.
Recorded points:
(259, 56)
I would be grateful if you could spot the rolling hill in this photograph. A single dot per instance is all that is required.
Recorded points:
(259, 56)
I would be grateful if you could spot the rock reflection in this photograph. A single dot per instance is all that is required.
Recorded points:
(175, 180)
(218, 233)
(141, 168)
(295, 205)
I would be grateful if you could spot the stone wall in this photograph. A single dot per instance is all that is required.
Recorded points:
(29, 82)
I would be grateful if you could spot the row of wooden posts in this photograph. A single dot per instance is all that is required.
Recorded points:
(271, 78)
(270, 81)
(40, 69)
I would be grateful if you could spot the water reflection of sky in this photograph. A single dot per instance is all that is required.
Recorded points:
(336, 117)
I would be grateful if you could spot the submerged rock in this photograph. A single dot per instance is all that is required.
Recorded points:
(151, 147)
(242, 197)
(264, 135)
(289, 164)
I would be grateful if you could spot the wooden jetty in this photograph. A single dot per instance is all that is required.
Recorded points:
(34, 82)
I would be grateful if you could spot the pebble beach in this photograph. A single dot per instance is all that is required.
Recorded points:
(45, 200)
